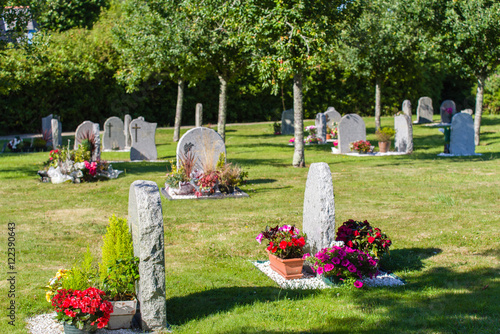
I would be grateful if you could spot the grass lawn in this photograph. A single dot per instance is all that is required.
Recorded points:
(442, 214)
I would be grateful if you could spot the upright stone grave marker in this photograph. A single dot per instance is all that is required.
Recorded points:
(321, 127)
(332, 116)
(351, 128)
(287, 122)
(318, 219)
(126, 131)
(462, 135)
(114, 134)
(406, 107)
(424, 110)
(143, 140)
(448, 109)
(96, 154)
(403, 140)
(203, 144)
(84, 130)
(56, 129)
(199, 115)
(47, 128)
(145, 220)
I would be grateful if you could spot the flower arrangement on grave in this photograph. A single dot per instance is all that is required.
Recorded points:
(206, 183)
(311, 135)
(362, 236)
(385, 134)
(449, 111)
(335, 143)
(361, 146)
(343, 263)
(284, 241)
(55, 284)
(13, 144)
(277, 128)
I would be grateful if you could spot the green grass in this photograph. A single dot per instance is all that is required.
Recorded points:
(441, 213)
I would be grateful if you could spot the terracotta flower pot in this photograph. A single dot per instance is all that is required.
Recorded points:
(328, 137)
(384, 146)
(288, 268)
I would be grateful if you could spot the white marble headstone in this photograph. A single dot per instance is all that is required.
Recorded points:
(462, 135)
(351, 128)
(287, 122)
(143, 140)
(204, 144)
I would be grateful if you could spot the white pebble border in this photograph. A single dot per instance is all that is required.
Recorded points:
(374, 154)
(309, 281)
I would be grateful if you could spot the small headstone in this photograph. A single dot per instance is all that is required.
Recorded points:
(287, 122)
(47, 128)
(145, 220)
(83, 131)
(204, 144)
(406, 107)
(403, 139)
(462, 135)
(468, 111)
(448, 109)
(321, 127)
(351, 128)
(425, 110)
(126, 131)
(143, 140)
(318, 219)
(199, 115)
(96, 154)
(332, 116)
(56, 133)
(114, 136)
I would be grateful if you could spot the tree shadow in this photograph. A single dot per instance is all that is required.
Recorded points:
(407, 259)
(261, 181)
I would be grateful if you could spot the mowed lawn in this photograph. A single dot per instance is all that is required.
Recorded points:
(442, 214)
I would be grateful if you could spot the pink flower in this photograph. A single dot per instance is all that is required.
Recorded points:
(320, 270)
(329, 267)
(259, 238)
(358, 284)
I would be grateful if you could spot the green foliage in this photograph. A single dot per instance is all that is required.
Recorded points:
(176, 175)
(492, 93)
(119, 282)
(83, 275)
(385, 133)
(231, 176)
(39, 143)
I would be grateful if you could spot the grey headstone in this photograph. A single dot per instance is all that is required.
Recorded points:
(446, 107)
(351, 128)
(332, 116)
(403, 139)
(126, 131)
(318, 219)
(83, 130)
(462, 135)
(199, 115)
(425, 110)
(145, 220)
(287, 122)
(114, 136)
(143, 140)
(56, 133)
(406, 107)
(204, 144)
(47, 128)
(468, 111)
(321, 126)
(96, 155)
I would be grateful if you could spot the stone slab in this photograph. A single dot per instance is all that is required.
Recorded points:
(462, 135)
(287, 122)
(403, 139)
(114, 134)
(204, 144)
(425, 110)
(350, 129)
(143, 140)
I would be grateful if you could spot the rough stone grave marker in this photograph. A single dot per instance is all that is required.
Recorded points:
(403, 139)
(406, 107)
(145, 220)
(320, 124)
(199, 115)
(448, 109)
(114, 134)
(143, 140)
(332, 116)
(287, 122)
(204, 144)
(126, 131)
(47, 128)
(425, 110)
(96, 154)
(56, 129)
(318, 219)
(351, 128)
(462, 135)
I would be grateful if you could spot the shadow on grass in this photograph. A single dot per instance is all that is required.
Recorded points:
(137, 168)
(407, 259)
(260, 181)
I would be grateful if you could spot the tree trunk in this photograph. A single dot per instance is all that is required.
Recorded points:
(178, 109)
(221, 124)
(298, 154)
(377, 103)
(479, 109)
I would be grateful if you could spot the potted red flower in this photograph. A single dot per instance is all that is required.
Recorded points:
(285, 248)
(362, 236)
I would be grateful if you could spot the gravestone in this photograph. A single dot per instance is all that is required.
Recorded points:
(145, 221)
(47, 128)
(56, 128)
(462, 135)
(351, 128)
(403, 139)
(318, 219)
(332, 116)
(84, 131)
(468, 111)
(96, 154)
(143, 140)
(424, 110)
(406, 107)
(204, 145)
(287, 122)
(321, 127)
(114, 134)
(126, 131)
(199, 115)
(448, 109)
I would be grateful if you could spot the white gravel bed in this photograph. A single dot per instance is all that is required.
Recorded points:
(309, 281)
(374, 154)
(169, 194)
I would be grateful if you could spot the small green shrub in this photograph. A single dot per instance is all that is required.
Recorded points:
(385, 134)
(82, 275)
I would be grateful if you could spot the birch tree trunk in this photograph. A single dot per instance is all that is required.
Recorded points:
(378, 106)
(178, 109)
(298, 154)
(221, 124)
(479, 109)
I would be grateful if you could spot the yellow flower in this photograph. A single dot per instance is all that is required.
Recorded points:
(48, 296)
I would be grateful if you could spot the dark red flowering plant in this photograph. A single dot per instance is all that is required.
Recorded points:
(206, 183)
(284, 242)
(86, 310)
(362, 236)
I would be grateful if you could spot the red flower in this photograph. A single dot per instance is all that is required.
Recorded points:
(301, 242)
(371, 240)
(283, 244)
(356, 233)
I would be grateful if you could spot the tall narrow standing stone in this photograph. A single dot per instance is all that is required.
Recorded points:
(425, 110)
(407, 108)
(287, 122)
(320, 124)
(199, 115)
(56, 133)
(126, 130)
(403, 140)
(47, 128)
(96, 154)
(318, 219)
(146, 225)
